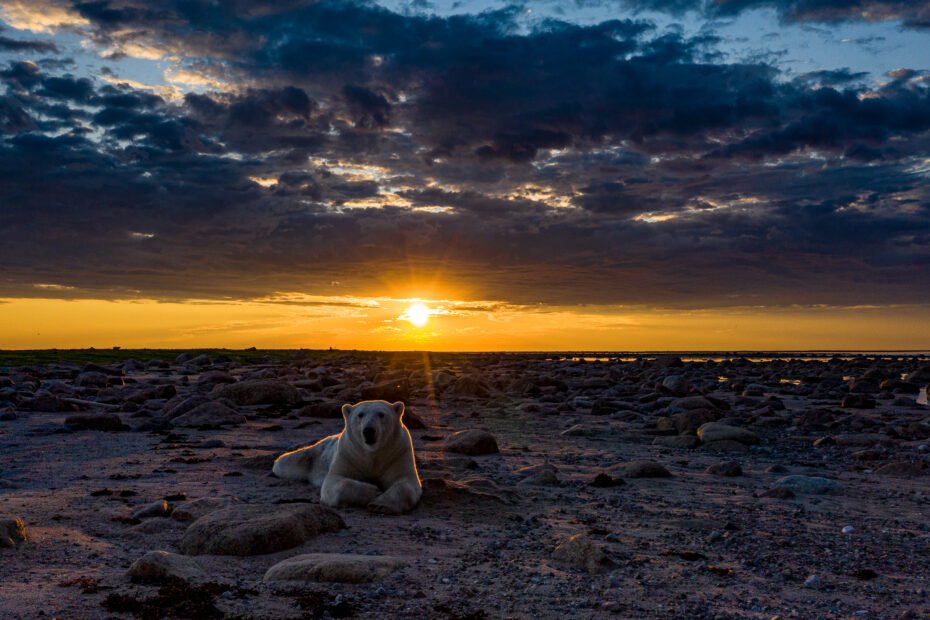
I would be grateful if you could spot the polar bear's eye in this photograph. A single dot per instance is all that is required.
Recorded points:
(380, 415)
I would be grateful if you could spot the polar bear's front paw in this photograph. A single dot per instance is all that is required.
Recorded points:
(385, 508)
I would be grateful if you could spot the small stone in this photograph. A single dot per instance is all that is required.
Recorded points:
(848, 530)
(95, 422)
(639, 469)
(813, 485)
(725, 445)
(686, 442)
(730, 469)
(540, 475)
(812, 582)
(472, 443)
(582, 552)
(12, 531)
(159, 565)
(715, 431)
(902, 468)
(155, 509)
(196, 508)
(606, 481)
(335, 567)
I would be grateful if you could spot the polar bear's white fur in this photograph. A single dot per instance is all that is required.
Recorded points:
(370, 463)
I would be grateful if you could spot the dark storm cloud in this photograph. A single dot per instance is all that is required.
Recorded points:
(911, 13)
(16, 45)
(560, 163)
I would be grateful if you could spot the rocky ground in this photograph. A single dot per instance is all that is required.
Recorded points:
(652, 488)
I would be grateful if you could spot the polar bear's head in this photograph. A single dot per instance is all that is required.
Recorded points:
(373, 423)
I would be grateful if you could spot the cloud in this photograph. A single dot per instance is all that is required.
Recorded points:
(542, 163)
(911, 13)
(17, 45)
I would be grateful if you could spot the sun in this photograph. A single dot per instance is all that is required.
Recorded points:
(417, 314)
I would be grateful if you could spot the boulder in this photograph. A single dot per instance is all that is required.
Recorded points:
(676, 385)
(471, 442)
(258, 392)
(902, 468)
(322, 409)
(212, 414)
(390, 391)
(255, 529)
(179, 406)
(156, 566)
(216, 376)
(468, 386)
(92, 379)
(921, 376)
(715, 431)
(335, 567)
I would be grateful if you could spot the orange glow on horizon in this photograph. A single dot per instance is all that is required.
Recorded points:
(291, 320)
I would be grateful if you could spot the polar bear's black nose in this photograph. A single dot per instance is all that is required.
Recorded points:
(370, 435)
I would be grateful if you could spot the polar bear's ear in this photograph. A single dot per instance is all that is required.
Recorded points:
(398, 408)
(346, 410)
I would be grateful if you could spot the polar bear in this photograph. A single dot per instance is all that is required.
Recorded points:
(370, 463)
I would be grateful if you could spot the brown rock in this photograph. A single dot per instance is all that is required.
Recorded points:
(471, 442)
(335, 567)
(254, 529)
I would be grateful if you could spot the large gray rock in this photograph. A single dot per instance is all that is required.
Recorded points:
(468, 386)
(212, 414)
(254, 529)
(715, 431)
(179, 406)
(92, 379)
(259, 392)
(471, 442)
(335, 567)
(675, 385)
(12, 531)
(158, 565)
(921, 376)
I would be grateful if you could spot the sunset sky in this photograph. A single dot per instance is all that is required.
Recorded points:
(469, 175)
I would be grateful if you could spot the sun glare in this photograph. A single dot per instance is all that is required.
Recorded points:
(417, 314)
